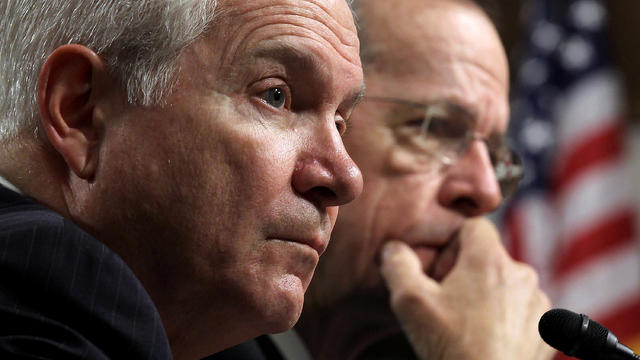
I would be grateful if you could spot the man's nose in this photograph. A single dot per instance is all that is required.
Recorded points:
(470, 185)
(325, 173)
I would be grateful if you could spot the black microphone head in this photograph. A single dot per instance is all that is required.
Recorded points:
(563, 330)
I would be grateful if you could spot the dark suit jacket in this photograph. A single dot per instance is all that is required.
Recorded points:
(260, 348)
(395, 347)
(64, 295)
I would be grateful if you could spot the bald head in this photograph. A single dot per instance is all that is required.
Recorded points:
(418, 30)
(420, 51)
(415, 52)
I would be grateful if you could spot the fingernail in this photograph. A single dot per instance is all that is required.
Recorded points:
(388, 249)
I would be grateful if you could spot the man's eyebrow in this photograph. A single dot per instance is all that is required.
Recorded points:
(288, 55)
(353, 101)
(469, 110)
(357, 97)
(303, 61)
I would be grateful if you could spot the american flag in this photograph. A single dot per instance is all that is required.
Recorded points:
(573, 217)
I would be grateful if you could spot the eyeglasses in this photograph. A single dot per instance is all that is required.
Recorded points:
(445, 131)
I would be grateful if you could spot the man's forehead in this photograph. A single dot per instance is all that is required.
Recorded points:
(424, 29)
(337, 9)
(242, 24)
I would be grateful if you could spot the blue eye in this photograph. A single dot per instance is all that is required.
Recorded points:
(275, 97)
(341, 126)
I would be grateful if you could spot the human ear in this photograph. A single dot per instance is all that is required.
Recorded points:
(67, 90)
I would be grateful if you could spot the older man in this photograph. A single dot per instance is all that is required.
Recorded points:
(429, 139)
(171, 170)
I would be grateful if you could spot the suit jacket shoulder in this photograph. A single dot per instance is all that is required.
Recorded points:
(260, 348)
(65, 295)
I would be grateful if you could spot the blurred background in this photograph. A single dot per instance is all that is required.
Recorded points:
(575, 69)
(623, 35)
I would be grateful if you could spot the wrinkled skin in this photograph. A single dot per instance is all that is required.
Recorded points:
(223, 198)
(487, 307)
(424, 51)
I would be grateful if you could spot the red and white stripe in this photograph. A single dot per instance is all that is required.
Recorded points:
(581, 236)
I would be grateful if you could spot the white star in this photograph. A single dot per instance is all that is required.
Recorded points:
(576, 53)
(534, 72)
(546, 36)
(587, 14)
(536, 135)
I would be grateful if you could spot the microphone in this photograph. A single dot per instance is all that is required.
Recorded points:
(577, 335)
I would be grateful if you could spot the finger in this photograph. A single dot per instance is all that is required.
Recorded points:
(480, 243)
(402, 272)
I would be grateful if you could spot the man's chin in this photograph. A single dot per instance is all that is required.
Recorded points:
(286, 307)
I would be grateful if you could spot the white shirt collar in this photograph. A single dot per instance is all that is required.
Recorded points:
(4, 182)
(290, 345)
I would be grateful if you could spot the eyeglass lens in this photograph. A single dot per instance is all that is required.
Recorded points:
(453, 128)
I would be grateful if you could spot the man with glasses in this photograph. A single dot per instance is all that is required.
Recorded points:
(429, 137)
(446, 131)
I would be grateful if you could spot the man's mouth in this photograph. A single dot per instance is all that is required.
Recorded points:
(319, 244)
(444, 261)
(427, 255)
(438, 256)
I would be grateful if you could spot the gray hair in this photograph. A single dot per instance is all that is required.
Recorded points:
(139, 40)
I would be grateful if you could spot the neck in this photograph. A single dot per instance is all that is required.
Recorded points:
(187, 344)
(344, 330)
(36, 170)
(196, 330)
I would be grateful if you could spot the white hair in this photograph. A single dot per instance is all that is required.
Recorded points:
(139, 40)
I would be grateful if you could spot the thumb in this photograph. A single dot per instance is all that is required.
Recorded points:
(402, 272)
(480, 243)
